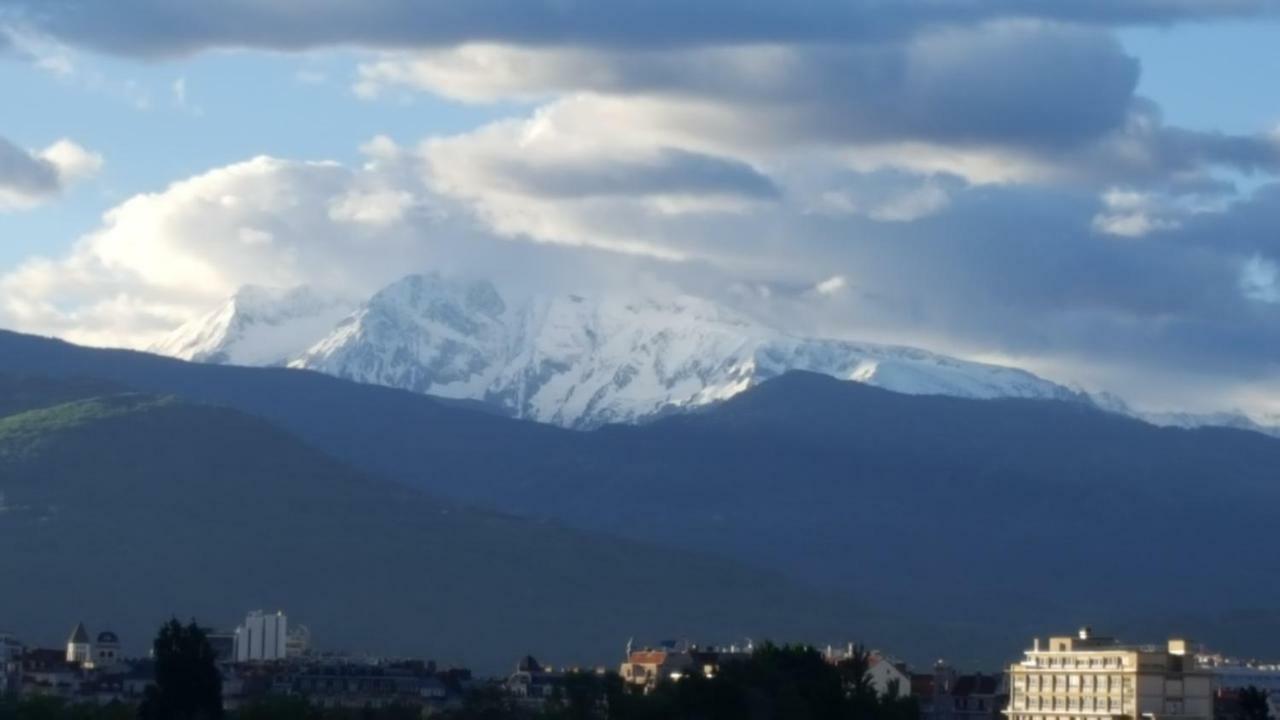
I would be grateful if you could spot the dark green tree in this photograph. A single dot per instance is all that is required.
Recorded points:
(1253, 704)
(188, 684)
(863, 701)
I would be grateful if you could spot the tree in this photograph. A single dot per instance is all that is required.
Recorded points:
(855, 675)
(1253, 704)
(188, 685)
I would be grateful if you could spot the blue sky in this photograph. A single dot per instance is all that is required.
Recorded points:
(237, 105)
(1087, 189)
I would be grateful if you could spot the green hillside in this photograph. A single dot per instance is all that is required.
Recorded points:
(125, 508)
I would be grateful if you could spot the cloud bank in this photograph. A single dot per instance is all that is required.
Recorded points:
(979, 178)
(151, 28)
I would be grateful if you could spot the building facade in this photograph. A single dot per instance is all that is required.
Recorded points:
(648, 667)
(79, 648)
(262, 637)
(11, 650)
(1087, 678)
(889, 677)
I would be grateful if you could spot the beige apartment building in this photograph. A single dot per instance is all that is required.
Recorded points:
(1088, 678)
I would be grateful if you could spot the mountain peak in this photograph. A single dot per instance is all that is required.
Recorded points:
(572, 359)
(256, 326)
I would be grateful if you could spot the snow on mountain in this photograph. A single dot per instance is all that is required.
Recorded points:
(582, 362)
(257, 326)
(1228, 419)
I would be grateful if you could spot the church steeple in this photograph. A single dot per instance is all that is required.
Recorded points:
(79, 649)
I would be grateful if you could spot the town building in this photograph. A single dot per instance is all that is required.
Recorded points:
(532, 684)
(647, 667)
(11, 650)
(79, 648)
(297, 641)
(889, 677)
(48, 672)
(346, 682)
(263, 637)
(1084, 677)
(106, 650)
(945, 694)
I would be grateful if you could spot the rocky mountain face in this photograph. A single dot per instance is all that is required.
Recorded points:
(257, 326)
(566, 359)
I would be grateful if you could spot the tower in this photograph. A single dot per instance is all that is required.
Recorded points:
(79, 649)
(106, 651)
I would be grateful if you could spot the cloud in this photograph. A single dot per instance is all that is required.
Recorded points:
(1003, 83)
(1260, 280)
(160, 258)
(151, 28)
(29, 178)
(976, 177)
(831, 285)
(1009, 271)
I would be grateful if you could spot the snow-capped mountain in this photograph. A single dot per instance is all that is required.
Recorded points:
(578, 361)
(257, 326)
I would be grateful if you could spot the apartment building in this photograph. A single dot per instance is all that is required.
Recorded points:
(1084, 677)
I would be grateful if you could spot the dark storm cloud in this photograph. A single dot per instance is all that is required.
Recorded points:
(25, 174)
(1024, 272)
(1007, 83)
(171, 27)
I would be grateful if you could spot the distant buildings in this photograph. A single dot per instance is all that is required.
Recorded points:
(647, 667)
(10, 663)
(945, 694)
(262, 637)
(532, 684)
(346, 682)
(1232, 674)
(102, 653)
(1085, 677)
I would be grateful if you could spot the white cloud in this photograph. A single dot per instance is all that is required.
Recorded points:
(1260, 280)
(159, 258)
(73, 162)
(831, 285)
(378, 207)
(30, 178)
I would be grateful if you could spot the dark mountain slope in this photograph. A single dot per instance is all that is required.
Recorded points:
(406, 436)
(1014, 516)
(124, 509)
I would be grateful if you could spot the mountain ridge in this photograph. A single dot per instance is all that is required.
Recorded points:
(251, 517)
(582, 362)
(1006, 513)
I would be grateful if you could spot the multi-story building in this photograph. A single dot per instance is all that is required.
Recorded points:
(10, 663)
(262, 637)
(1086, 677)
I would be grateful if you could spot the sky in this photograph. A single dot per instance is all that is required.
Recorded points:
(1084, 188)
